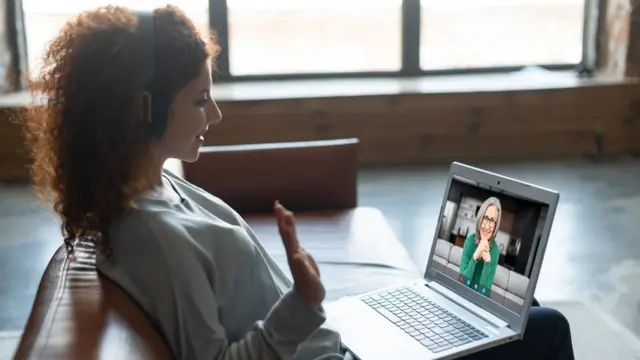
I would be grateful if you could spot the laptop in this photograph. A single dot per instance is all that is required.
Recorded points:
(478, 285)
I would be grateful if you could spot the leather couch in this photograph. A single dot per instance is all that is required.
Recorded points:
(303, 175)
(508, 289)
(78, 314)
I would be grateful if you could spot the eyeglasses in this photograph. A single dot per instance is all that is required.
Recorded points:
(487, 221)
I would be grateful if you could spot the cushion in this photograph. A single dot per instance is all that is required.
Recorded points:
(356, 250)
(455, 256)
(501, 278)
(517, 284)
(443, 249)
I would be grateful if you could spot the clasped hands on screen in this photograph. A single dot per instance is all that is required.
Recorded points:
(482, 251)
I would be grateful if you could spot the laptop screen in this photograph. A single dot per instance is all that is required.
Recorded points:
(486, 240)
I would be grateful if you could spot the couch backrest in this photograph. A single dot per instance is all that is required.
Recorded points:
(79, 314)
(309, 175)
(501, 279)
(455, 256)
(443, 249)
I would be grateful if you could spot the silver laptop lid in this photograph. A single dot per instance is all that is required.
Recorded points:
(514, 219)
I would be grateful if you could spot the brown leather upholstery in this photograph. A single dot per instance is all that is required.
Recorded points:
(78, 314)
(312, 175)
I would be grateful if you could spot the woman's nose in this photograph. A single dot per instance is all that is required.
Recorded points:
(214, 116)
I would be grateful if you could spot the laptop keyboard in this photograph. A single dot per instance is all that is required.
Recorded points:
(428, 323)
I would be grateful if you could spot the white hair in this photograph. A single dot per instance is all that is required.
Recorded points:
(483, 210)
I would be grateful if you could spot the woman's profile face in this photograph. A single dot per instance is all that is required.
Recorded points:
(191, 113)
(489, 220)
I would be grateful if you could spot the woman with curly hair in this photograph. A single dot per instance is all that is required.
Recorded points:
(189, 260)
(116, 104)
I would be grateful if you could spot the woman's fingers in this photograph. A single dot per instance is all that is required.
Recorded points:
(306, 275)
(286, 227)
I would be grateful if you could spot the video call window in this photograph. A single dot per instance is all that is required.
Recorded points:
(487, 240)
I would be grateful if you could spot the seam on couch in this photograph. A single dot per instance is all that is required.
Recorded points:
(52, 310)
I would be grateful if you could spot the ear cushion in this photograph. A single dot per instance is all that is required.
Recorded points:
(160, 103)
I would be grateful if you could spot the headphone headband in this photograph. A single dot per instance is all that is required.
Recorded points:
(155, 102)
(145, 33)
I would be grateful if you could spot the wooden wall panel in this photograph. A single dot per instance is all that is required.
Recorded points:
(598, 119)
(506, 221)
(13, 158)
(418, 128)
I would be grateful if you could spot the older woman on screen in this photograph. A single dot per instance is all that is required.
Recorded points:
(481, 253)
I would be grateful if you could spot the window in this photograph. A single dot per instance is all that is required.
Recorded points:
(462, 34)
(44, 18)
(264, 39)
(312, 36)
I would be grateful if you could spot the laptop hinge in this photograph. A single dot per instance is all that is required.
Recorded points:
(468, 305)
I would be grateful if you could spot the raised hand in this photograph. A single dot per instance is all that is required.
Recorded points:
(306, 275)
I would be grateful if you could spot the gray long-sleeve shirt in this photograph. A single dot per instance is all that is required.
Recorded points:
(208, 284)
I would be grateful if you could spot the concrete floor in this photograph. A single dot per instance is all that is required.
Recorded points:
(593, 253)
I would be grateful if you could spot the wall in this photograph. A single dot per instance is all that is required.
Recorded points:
(13, 159)
(448, 220)
(427, 128)
(614, 37)
(617, 54)
(525, 228)
(598, 119)
(12, 63)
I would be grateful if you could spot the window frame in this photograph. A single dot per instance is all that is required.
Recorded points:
(410, 52)
(594, 16)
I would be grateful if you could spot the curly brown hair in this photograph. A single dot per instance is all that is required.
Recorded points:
(85, 134)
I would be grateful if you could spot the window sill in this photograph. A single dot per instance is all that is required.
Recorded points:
(532, 79)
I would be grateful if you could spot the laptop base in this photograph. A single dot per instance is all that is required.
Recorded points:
(371, 336)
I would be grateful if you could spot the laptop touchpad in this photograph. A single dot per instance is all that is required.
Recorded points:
(369, 335)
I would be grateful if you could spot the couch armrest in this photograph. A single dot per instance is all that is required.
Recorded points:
(307, 175)
(45, 297)
(79, 314)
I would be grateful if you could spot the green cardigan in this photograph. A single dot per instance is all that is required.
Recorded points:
(478, 271)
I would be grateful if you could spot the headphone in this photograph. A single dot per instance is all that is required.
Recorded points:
(155, 102)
